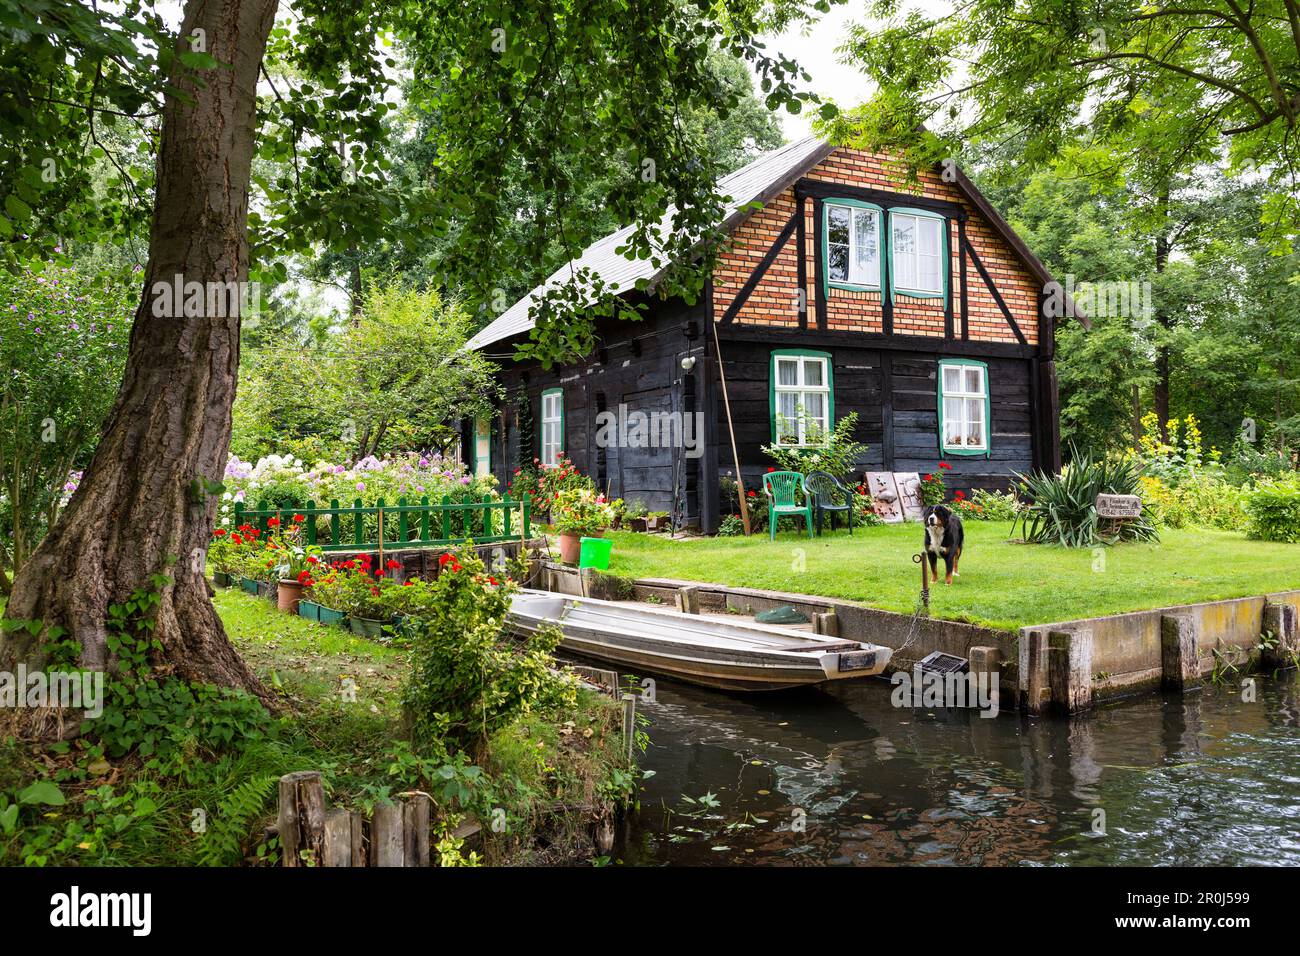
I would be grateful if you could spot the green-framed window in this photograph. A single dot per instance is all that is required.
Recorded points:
(552, 425)
(918, 253)
(965, 411)
(851, 248)
(801, 396)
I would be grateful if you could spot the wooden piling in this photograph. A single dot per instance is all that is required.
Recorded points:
(1033, 671)
(1180, 668)
(1279, 620)
(301, 818)
(387, 835)
(629, 722)
(827, 624)
(688, 599)
(338, 839)
(415, 819)
(1069, 671)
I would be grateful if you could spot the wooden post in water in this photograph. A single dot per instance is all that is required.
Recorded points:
(1279, 620)
(1069, 670)
(629, 722)
(1180, 668)
(1033, 670)
(301, 818)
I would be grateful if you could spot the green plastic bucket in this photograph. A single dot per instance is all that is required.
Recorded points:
(595, 553)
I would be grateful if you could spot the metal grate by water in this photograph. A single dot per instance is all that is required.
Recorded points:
(941, 663)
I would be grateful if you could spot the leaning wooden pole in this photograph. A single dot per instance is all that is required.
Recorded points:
(731, 430)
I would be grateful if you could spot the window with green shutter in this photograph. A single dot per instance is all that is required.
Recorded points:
(964, 407)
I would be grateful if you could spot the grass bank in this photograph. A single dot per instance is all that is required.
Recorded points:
(547, 776)
(1004, 583)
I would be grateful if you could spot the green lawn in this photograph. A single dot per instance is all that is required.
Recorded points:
(1004, 584)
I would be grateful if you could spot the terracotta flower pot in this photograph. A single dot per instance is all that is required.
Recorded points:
(570, 548)
(288, 595)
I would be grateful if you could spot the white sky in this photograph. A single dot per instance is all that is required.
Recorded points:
(814, 50)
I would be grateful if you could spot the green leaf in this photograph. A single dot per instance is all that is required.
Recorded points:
(42, 791)
(17, 209)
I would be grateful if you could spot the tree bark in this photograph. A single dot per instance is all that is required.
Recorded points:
(170, 424)
(1161, 391)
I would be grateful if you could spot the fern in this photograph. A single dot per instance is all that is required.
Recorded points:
(222, 843)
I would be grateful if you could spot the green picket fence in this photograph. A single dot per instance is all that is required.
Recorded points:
(360, 527)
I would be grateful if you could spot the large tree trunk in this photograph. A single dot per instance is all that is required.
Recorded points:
(170, 424)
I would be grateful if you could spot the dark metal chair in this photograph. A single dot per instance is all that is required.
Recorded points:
(824, 489)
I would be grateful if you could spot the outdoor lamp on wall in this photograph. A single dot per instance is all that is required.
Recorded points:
(688, 363)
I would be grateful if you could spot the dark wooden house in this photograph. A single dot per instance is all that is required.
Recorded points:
(846, 290)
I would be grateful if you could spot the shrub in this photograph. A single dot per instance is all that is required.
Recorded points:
(731, 527)
(983, 505)
(933, 489)
(466, 679)
(1062, 508)
(1273, 510)
(838, 457)
(543, 482)
(1199, 500)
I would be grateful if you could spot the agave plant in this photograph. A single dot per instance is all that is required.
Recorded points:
(1063, 510)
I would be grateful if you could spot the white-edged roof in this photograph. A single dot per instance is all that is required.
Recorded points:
(752, 183)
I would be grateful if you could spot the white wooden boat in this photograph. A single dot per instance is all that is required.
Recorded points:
(730, 655)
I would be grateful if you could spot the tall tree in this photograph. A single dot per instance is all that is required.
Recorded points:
(1030, 71)
(506, 79)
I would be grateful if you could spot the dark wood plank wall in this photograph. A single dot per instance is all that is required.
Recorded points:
(871, 381)
(638, 365)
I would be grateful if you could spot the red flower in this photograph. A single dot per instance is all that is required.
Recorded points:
(928, 478)
(960, 495)
(237, 539)
(393, 565)
(751, 493)
(944, 464)
(299, 519)
(375, 591)
(444, 558)
(312, 559)
(273, 522)
(493, 581)
(218, 532)
(304, 577)
(770, 470)
(407, 584)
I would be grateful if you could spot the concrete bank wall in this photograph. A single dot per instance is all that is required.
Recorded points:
(1126, 648)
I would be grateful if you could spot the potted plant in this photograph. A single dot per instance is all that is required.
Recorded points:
(324, 597)
(655, 520)
(634, 516)
(295, 564)
(224, 555)
(576, 512)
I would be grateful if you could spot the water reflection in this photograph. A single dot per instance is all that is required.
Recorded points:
(838, 776)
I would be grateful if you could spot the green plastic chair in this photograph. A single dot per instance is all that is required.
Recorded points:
(782, 490)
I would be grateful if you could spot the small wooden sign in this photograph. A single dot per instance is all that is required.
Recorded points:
(884, 496)
(909, 491)
(1119, 506)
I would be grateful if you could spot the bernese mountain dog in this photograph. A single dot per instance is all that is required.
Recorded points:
(944, 538)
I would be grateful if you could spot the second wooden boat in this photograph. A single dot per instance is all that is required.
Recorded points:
(730, 655)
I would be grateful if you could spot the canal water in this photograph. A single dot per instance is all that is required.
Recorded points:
(838, 776)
